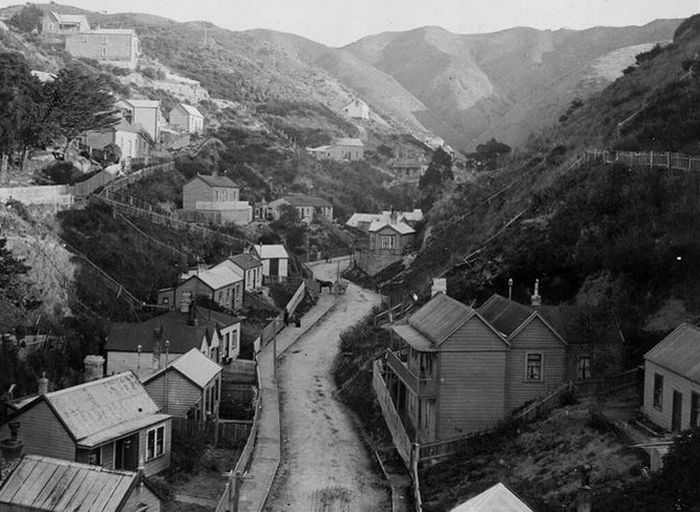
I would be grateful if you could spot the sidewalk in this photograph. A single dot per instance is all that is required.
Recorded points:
(266, 454)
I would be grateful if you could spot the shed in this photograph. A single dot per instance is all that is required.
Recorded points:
(187, 118)
(44, 484)
(672, 380)
(274, 258)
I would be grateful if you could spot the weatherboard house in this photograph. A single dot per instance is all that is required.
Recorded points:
(340, 150)
(672, 380)
(306, 207)
(118, 47)
(457, 370)
(216, 198)
(110, 422)
(56, 23)
(187, 118)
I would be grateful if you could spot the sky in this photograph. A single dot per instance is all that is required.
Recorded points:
(336, 22)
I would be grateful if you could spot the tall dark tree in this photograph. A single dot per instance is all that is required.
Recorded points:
(79, 101)
(439, 170)
(16, 298)
(27, 19)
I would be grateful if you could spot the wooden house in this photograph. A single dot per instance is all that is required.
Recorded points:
(141, 347)
(188, 387)
(222, 284)
(128, 137)
(248, 265)
(110, 422)
(390, 235)
(208, 188)
(57, 23)
(357, 109)
(142, 114)
(305, 206)
(118, 47)
(498, 498)
(340, 150)
(457, 370)
(408, 169)
(187, 118)
(672, 380)
(274, 258)
(45, 484)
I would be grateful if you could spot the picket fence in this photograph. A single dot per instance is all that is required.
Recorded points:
(667, 160)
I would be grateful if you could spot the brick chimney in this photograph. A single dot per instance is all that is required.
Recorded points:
(11, 448)
(94, 367)
(43, 384)
(536, 300)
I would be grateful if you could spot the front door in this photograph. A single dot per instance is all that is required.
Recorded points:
(677, 411)
(126, 453)
(274, 267)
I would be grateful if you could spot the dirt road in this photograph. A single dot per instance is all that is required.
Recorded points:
(325, 467)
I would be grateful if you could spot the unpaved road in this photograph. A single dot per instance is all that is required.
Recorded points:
(325, 467)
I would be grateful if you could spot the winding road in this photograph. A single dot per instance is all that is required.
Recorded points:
(325, 466)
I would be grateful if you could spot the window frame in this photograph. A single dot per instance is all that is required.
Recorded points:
(694, 409)
(658, 392)
(155, 431)
(587, 367)
(389, 238)
(541, 375)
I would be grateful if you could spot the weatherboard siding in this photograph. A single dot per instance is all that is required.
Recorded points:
(672, 381)
(471, 380)
(182, 396)
(155, 466)
(42, 433)
(535, 338)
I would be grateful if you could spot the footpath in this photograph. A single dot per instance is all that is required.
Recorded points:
(266, 454)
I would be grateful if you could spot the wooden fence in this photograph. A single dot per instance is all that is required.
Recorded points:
(544, 405)
(58, 195)
(667, 160)
(219, 433)
(402, 441)
(610, 384)
(393, 313)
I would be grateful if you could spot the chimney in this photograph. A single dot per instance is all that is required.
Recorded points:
(11, 448)
(583, 495)
(43, 384)
(536, 300)
(94, 367)
(510, 288)
(393, 216)
(439, 285)
(191, 316)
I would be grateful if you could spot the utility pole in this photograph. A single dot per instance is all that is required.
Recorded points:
(235, 480)
(165, 384)
(274, 348)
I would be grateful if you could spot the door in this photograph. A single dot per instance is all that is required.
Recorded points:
(126, 453)
(677, 411)
(274, 267)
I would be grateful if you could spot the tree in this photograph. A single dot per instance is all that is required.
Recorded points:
(487, 154)
(78, 102)
(111, 154)
(16, 298)
(27, 19)
(439, 170)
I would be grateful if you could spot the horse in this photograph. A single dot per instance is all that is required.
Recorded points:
(324, 284)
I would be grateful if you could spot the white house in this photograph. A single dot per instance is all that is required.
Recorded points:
(187, 118)
(357, 109)
(274, 258)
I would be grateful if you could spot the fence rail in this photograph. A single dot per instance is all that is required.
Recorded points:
(393, 313)
(402, 441)
(544, 405)
(220, 433)
(611, 384)
(668, 160)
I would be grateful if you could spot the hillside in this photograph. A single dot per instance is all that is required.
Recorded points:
(624, 238)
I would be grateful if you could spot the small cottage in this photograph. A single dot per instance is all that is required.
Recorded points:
(188, 387)
(274, 258)
(127, 137)
(357, 109)
(672, 380)
(110, 422)
(340, 150)
(409, 169)
(248, 265)
(142, 114)
(208, 188)
(57, 23)
(498, 498)
(390, 235)
(305, 206)
(221, 284)
(45, 484)
(118, 47)
(149, 346)
(187, 118)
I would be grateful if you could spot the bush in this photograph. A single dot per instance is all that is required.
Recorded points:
(60, 173)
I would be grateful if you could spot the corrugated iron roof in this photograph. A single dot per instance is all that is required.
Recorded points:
(400, 227)
(302, 200)
(126, 337)
(414, 338)
(215, 180)
(142, 103)
(271, 251)
(54, 485)
(99, 405)
(440, 317)
(191, 110)
(495, 499)
(197, 367)
(679, 352)
(503, 314)
(122, 429)
(218, 277)
(356, 218)
(348, 141)
(246, 261)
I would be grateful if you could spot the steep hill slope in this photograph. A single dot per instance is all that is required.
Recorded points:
(503, 84)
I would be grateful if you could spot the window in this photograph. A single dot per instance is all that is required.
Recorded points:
(103, 51)
(583, 367)
(658, 391)
(95, 457)
(155, 442)
(694, 409)
(387, 241)
(425, 413)
(104, 39)
(533, 366)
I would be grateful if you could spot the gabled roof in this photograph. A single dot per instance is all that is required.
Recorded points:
(266, 252)
(679, 352)
(348, 141)
(356, 218)
(301, 200)
(246, 261)
(69, 18)
(510, 317)
(414, 338)
(105, 404)
(218, 277)
(440, 317)
(126, 337)
(408, 163)
(190, 110)
(495, 499)
(123, 126)
(141, 103)
(400, 227)
(53, 485)
(192, 365)
(215, 180)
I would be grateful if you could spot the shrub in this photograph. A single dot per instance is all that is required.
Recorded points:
(60, 173)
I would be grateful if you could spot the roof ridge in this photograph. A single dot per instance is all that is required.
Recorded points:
(87, 384)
